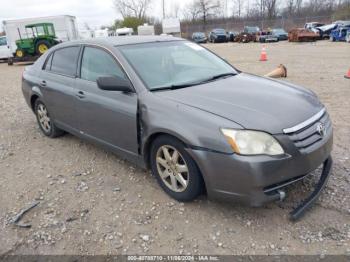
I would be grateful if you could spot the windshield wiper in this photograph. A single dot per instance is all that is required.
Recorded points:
(179, 86)
(221, 76)
(173, 87)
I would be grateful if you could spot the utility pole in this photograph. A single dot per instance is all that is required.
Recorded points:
(163, 9)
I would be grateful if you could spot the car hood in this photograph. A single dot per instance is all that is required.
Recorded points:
(251, 101)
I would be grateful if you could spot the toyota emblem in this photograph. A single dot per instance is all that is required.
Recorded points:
(321, 129)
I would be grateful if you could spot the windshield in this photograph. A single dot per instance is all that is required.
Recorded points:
(199, 34)
(166, 64)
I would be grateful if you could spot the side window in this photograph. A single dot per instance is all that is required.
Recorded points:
(48, 62)
(3, 41)
(64, 60)
(97, 62)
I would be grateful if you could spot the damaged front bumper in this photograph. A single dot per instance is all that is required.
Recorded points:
(256, 180)
(308, 202)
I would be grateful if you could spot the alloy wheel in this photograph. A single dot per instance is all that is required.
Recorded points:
(172, 168)
(44, 119)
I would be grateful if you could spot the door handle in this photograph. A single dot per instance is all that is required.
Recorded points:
(80, 94)
(43, 83)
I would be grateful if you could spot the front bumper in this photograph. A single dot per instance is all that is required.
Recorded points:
(255, 180)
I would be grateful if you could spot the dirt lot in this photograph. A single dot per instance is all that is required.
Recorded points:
(92, 202)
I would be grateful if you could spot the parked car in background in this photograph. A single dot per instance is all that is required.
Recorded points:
(199, 37)
(232, 35)
(342, 23)
(326, 30)
(267, 37)
(218, 36)
(250, 33)
(280, 33)
(302, 35)
(5, 51)
(253, 30)
(225, 138)
(312, 25)
(339, 34)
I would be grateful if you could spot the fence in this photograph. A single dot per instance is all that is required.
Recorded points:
(188, 28)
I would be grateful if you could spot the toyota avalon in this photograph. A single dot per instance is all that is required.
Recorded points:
(175, 107)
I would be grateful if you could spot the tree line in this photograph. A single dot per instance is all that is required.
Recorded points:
(137, 12)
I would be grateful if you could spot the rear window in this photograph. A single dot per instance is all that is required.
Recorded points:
(64, 61)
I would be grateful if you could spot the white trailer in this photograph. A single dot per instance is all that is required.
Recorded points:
(101, 33)
(145, 29)
(124, 31)
(171, 26)
(65, 28)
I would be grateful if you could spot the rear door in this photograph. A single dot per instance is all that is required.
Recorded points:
(107, 116)
(58, 79)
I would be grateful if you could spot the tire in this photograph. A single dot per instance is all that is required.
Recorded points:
(20, 53)
(194, 181)
(331, 38)
(49, 130)
(10, 61)
(42, 46)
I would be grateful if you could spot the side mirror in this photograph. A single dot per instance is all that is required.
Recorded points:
(114, 83)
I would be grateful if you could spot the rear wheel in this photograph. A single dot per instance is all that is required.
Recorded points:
(44, 120)
(42, 46)
(175, 170)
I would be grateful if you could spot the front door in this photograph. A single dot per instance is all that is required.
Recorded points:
(109, 117)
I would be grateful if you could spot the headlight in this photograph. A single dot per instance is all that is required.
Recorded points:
(249, 142)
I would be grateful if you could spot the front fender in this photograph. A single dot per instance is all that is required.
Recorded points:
(193, 126)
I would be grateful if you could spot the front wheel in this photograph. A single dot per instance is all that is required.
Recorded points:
(175, 170)
(44, 120)
(20, 53)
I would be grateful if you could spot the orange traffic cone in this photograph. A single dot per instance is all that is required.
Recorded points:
(263, 55)
(348, 74)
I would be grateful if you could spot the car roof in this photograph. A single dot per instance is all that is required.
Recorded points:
(125, 40)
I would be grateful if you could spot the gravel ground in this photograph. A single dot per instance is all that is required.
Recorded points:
(92, 202)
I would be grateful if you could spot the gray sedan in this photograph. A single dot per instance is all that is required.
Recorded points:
(173, 106)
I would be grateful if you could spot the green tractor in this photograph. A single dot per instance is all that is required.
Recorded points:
(43, 37)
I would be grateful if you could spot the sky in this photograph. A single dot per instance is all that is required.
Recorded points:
(93, 12)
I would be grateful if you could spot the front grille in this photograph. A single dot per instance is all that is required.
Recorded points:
(306, 136)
